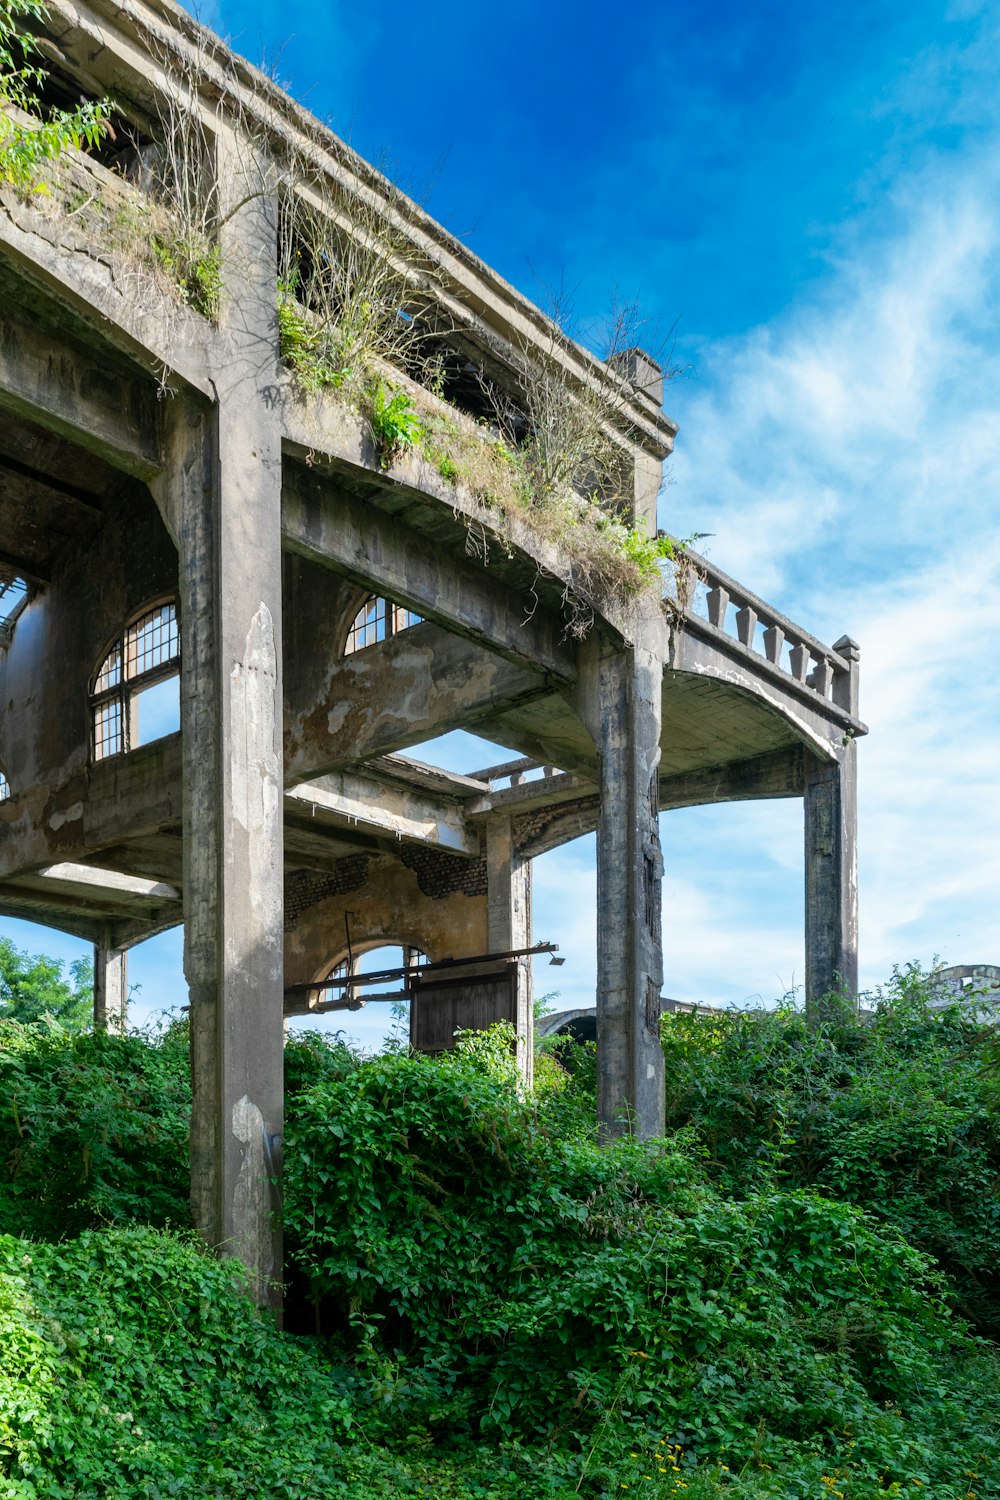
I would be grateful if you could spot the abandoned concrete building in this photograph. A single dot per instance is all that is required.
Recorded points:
(238, 582)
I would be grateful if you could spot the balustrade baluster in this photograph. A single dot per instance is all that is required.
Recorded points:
(746, 624)
(799, 659)
(718, 602)
(821, 677)
(774, 640)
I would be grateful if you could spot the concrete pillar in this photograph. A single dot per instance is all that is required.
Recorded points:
(629, 879)
(110, 989)
(831, 818)
(831, 857)
(508, 887)
(225, 477)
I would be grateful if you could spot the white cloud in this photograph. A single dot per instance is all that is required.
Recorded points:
(848, 456)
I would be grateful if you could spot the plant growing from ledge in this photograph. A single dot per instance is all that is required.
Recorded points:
(27, 144)
(349, 298)
(395, 425)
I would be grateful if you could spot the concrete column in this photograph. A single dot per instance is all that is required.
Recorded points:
(831, 866)
(831, 855)
(110, 989)
(225, 502)
(629, 879)
(508, 887)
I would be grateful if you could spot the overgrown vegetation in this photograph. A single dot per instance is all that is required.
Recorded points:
(26, 144)
(900, 1115)
(504, 1308)
(351, 317)
(359, 312)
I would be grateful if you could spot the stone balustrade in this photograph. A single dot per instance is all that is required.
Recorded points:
(711, 602)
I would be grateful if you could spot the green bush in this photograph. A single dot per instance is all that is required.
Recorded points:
(93, 1129)
(509, 1311)
(500, 1282)
(133, 1366)
(900, 1115)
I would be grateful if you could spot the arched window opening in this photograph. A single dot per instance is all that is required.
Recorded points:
(385, 957)
(378, 620)
(136, 696)
(4, 787)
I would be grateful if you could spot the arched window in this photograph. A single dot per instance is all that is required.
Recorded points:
(372, 960)
(4, 787)
(136, 692)
(377, 620)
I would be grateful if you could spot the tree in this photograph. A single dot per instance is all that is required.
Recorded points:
(26, 145)
(33, 987)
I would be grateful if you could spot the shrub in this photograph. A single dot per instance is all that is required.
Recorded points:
(134, 1366)
(500, 1282)
(900, 1115)
(93, 1129)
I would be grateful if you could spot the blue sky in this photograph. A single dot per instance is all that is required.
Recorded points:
(810, 193)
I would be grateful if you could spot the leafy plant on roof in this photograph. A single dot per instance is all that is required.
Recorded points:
(27, 144)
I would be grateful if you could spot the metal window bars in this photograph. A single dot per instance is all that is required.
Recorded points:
(378, 620)
(148, 650)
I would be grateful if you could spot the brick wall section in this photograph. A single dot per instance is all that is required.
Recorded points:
(440, 874)
(303, 888)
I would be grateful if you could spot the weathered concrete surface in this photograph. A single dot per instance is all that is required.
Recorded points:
(622, 699)
(412, 687)
(324, 523)
(384, 902)
(225, 474)
(73, 391)
(368, 804)
(508, 876)
(831, 877)
(110, 989)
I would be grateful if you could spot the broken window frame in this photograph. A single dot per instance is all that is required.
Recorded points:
(5, 788)
(392, 618)
(120, 678)
(348, 966)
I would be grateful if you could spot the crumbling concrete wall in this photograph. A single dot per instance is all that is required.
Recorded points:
(420, 905)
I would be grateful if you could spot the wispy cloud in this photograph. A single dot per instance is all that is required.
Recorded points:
(847, 456)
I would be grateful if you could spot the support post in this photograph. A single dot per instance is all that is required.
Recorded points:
(508, 899)
(831, 860)
(110, 989)
(630, 1080)
(224, 494)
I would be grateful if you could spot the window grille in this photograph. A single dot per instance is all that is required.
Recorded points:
(378, 620)
(147, 651)
(13, 597)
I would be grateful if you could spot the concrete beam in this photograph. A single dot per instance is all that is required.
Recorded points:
(702, 649)
(354, 800)
(78, 393)
(129, 797)
(421, 683)
(775, 774)
(85, 879)
(325, 524)
(53, 904)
